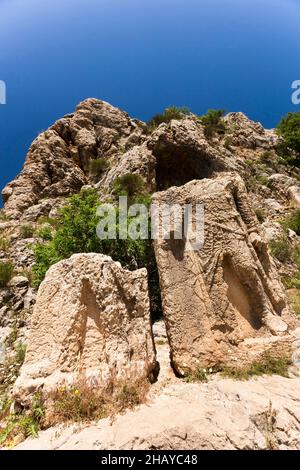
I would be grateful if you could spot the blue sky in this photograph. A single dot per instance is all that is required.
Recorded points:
(142, 55)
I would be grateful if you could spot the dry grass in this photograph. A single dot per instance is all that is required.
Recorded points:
(78, 403)
(82, 402)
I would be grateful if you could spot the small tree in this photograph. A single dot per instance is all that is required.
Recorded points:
(76, 233)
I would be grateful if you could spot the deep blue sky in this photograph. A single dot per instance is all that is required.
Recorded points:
(142, 55)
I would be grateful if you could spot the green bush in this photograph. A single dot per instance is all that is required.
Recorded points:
(292, 222)
(266, 366)
(170, 113)
(4, 244)
(45, 233)
(260, 214)
(98, 166)
(3, 216)
(281, 250)
(20, 353)
(199, 375)
(27, 231)
(263, 180)
(76, 233)
(48, 220)
(6, 273)
(213, 123)
(292, 282)
(129, 185)
(23, 424)
(289, 129)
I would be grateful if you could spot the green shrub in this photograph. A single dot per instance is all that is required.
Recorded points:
(263, 180)
(20, 353)
(199, 375)
(3, 216)
(292, 282)
(296, 256)
(98, 166)
(260, 214)
(76, 233)
(129, 185)
(23, 424)
(266, 366)
(6, 273)
(289, 129)
(292, 222)
(281, 250)
(4, 244)
(45, 233)
(27, 231)
(213, 123)
(228, 143)
(48, 220)
(173, 112)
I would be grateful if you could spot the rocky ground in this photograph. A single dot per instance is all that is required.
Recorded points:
(259, 414)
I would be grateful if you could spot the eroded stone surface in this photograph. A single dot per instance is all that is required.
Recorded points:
(91, 317)
(217, 297)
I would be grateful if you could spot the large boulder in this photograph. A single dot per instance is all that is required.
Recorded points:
(91, 317)
(222, 300)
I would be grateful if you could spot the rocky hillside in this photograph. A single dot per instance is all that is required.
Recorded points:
(231, 308)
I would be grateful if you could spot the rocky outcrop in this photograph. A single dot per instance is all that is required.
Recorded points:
(91, 317)
(287, 187)
(183, 153)
(219, 296)
(243, 132)
(138, 160)
(57, 164)
(260, 414)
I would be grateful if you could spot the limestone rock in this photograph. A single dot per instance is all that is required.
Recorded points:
(57, 164)
(249, 134)
(273, 231)
(137, 160)
(286, 186)
(219, 296)
(91, 317)
(183, 153)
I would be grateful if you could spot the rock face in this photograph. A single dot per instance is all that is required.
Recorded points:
(218, 297)
(287, 186)
(57, 164)
(248, 134)
(91, 317)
